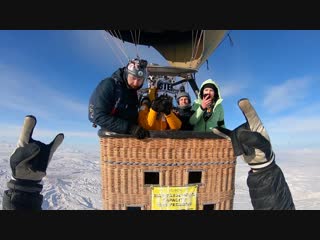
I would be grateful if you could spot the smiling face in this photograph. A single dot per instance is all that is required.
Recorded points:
(208, 91)
(134, 82)
(183, 101)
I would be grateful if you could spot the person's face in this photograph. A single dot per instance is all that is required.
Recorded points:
(183, 101)
(208, 91)
(134, 82)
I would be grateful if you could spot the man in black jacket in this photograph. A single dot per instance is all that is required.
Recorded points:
(114, 103)
(267, 186)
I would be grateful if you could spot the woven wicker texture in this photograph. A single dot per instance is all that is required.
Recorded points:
(125, 161)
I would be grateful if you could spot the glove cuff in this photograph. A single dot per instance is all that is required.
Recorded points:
(260, 166)
(18, 200)
(24, 185)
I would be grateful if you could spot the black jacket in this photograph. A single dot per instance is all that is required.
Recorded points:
(269, 189)
(184, 115)
(113, 105)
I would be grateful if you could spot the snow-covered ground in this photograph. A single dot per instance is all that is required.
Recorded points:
(73, 179)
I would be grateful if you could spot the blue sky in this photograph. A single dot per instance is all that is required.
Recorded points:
(52, 73)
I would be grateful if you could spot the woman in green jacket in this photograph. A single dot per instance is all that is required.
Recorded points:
(208, 109)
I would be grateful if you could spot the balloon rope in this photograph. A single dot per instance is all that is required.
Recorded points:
(112, 48)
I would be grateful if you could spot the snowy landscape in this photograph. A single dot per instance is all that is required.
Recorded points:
(73, 179)
(51, 74)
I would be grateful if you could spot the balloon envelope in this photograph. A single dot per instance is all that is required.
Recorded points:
(183, 48)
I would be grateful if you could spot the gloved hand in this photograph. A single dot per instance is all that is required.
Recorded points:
(166, 105)
(155, 105)
(138, 132)
(250, 139)
(146, 101)
(28, 163)
(31, 158)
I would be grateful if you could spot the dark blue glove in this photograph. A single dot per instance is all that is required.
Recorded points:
(28, 164)
(31, 158)
(163, 104)
(250, 139)
(146, 101)
(155, 105)
(166, 105)
(138, 132)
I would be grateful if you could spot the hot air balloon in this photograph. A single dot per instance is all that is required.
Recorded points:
(171, 170)
(184, 50)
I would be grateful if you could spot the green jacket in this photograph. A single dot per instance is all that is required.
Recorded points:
(216, 118)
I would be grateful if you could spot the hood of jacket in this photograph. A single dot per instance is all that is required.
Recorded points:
(219, 98)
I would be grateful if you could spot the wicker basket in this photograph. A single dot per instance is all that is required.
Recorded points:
(131, 168)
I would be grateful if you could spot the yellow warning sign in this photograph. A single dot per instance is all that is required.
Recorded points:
(174, 198)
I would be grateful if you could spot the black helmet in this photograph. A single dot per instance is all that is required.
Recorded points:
(138, 68)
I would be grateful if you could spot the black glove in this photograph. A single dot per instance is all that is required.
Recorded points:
(156, 104)
(146, 101)
(166, 105)
(138, 132)
(250, 139)
(28, 163)
(31, 158)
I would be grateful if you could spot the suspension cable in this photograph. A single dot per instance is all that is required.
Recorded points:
(195, 43)
(136, 40)
(113, 49)
(119, 43)
(198, 45)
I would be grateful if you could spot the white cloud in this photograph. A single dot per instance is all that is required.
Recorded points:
(309, 154)
(63, 102)
(84, 134)
(91, 45)
(103, 49)
(13, 131)
(25, 92)
(301, 121)
(9, 131)
(286, 95)
(311, 109)
(295, 131)
(292, 124)
(232, 88)
(43, 133)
